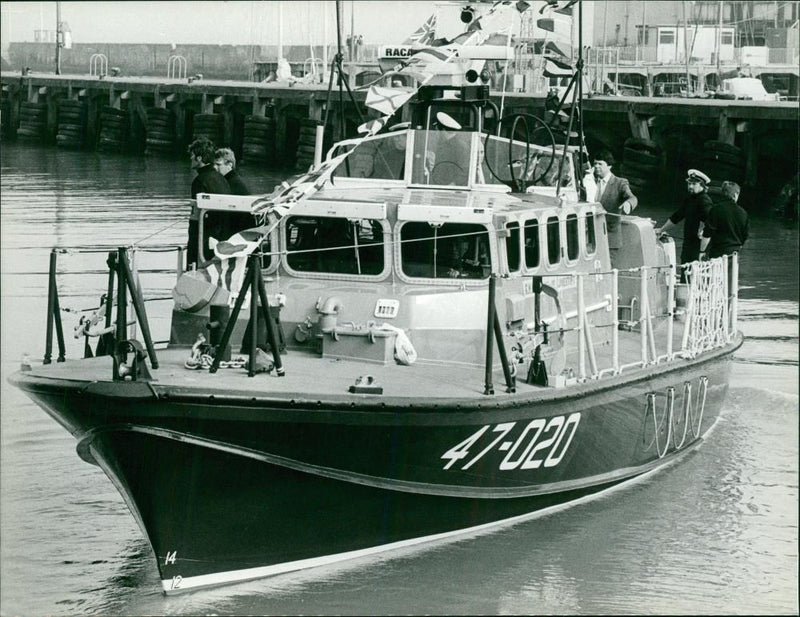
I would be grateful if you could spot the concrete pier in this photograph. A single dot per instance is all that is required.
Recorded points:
(266, 123)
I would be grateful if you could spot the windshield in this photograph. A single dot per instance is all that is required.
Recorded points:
(441, 158)
(382, 158)
(531, 163)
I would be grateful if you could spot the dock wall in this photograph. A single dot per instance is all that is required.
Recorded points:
(271, 125)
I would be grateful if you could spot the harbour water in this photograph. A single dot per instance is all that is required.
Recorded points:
(716, 533)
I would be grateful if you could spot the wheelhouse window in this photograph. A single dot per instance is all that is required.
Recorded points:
(382, 158)
(512, 246)
(553, 240)
(573, 246)
(532, 250)
(534, 164)
(591, 238)
(445, 250)
(334, 245)
(441, 157)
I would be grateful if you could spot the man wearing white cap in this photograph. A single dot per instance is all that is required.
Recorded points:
(693, 211)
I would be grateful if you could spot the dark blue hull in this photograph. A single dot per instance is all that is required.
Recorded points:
(230, 488)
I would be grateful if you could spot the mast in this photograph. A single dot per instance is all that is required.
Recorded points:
(719, 44)
(280, 30)
(605, 42)
(58, 38)
(644, 28)
(686, 48)
(324, 39)
(579, 66)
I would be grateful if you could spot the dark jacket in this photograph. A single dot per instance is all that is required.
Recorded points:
(616, 193)
(727, 226)
(208, 180)
(693, 210)
(238, 221)
(238, 187)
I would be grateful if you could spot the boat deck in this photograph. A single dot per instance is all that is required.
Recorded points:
(308, 376)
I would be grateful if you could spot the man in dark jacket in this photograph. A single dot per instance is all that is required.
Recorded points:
(207, 180)
(727, 227)
(614, 194)
(225, 163)
(693, 211)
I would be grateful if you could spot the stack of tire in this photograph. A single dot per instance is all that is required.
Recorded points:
(722, 161)
(208, 126)
(642, 162)
(305, 144)
(259, 140)
(160, 131)
(32, 121)
(71, 124)
(113, 128)
(5, 116)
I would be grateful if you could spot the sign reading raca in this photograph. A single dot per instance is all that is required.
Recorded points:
(395, 51)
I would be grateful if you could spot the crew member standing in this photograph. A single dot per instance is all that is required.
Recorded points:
(693, 211)
(727, 227)
(614, 194)
(225, 163)
(207, 180)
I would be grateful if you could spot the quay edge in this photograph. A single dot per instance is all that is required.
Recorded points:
(270, 125)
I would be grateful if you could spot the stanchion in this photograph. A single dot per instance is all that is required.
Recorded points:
(105, 346)
(271, 337)
(490, 316)
(501, 351)
(138, 306)
(53, 315)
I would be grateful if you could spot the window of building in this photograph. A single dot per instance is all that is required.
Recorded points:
(727, 38)
(572, 237)
(512, 246)
(553, 240)
(532, 244)
(591, 238)
(334, 245)
(666, 37)
(763, 10)
(448, 250)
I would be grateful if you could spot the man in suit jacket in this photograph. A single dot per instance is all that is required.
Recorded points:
(613, 193)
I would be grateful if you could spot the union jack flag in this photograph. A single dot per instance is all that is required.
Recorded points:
(424, 34)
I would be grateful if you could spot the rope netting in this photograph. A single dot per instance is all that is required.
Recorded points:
(707, 313)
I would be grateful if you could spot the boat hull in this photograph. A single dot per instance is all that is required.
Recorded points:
(233, 489)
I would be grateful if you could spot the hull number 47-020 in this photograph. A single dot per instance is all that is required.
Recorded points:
(542, 442)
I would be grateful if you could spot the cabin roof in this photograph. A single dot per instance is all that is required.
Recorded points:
(499, 202)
